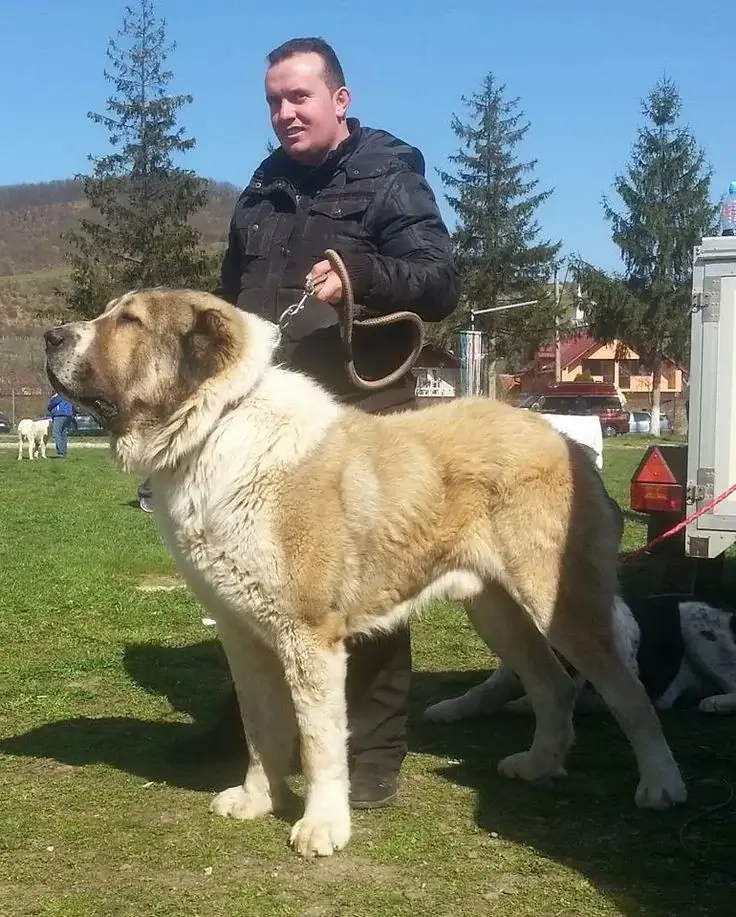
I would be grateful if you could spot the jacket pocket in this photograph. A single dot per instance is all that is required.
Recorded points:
(350, 207)
(255, 222)
(341, 220)
(257, 240)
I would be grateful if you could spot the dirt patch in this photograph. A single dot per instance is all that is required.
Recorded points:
(343, 868)
(87, 683)
(159, 582)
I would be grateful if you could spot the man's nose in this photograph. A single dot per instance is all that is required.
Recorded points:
(286, 111)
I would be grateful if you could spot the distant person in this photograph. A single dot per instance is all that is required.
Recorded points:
(62, 420)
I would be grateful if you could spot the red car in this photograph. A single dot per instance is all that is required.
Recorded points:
(600, 398)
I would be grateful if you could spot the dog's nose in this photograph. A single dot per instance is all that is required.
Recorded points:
(54, 337)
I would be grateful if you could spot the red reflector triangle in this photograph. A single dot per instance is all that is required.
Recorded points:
(654, 469)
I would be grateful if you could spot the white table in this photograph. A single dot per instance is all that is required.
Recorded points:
(584, 429)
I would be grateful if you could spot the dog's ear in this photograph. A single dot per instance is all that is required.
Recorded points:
(210, 346)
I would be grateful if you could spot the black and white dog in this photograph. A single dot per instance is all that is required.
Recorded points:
(683, 650)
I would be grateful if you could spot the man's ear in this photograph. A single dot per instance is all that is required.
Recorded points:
(342, 102)
(210, 347)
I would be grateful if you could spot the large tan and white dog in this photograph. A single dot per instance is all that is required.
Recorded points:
(298, 521)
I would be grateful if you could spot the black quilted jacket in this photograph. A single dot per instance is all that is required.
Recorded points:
(369, 201)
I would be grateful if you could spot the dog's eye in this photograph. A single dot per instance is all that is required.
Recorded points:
(127, 318)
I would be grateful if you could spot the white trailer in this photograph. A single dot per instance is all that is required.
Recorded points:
(711, 445)
(674, 481)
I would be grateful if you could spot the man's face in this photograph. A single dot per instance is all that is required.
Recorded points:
(308, 116)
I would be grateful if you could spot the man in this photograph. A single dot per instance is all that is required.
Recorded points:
(335, 184)
(61, 412)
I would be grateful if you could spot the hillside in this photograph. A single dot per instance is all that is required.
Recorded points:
(32, 266)
(32, 218)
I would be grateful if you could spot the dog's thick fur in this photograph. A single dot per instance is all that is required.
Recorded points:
(33, 433)
(683, 650)
(298, 521)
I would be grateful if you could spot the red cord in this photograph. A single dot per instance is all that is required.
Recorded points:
(627, 558)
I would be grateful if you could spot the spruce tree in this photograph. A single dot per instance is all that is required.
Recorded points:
(665, 211)
(141, 198)
(497, 246)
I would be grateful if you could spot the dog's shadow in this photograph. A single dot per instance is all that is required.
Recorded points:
(587, 821)
(194, 680)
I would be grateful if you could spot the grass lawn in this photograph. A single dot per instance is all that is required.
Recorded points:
(102, 684)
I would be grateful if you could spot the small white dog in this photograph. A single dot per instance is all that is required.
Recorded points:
(35, 434)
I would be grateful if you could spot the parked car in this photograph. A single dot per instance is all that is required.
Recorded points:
(85, 424)
(5, 424)
(600, 398)
(640, 422)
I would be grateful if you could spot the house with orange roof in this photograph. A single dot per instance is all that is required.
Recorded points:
(621, 366)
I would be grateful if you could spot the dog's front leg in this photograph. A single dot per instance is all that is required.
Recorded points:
(316, 676)
(268, 722)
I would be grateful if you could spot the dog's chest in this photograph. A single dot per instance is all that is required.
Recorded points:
(220, 532)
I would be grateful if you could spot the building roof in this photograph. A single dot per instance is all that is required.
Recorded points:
(577, 348)
(571, 350)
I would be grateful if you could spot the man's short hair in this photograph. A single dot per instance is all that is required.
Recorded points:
(334, 75)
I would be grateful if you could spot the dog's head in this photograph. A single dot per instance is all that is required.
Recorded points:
(155, 364)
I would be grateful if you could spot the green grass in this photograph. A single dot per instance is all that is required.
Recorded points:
(100, 684)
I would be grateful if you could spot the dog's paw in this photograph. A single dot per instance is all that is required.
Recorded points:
(320, 837)
(718, 703)
(665, 790)
(709, 705)
(235, 802)
(526, 766)
(445, 711)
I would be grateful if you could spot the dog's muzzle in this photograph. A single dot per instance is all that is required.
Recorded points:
(60, 343)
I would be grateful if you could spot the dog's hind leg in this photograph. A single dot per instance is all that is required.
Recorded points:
(489, 696)
(20, 448)
(509, 630)
(590, 647)
(268, 721)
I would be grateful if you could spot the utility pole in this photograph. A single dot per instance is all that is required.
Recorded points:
(558, 358)
(470, 343)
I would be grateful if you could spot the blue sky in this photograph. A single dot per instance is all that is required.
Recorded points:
(579, 67)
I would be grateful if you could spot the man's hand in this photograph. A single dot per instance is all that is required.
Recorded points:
(327, 285)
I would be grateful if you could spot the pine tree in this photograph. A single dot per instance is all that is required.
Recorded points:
(666, 210)
(143, 199)
(496, 241)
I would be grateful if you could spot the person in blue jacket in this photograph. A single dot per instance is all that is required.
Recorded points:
(62, 419)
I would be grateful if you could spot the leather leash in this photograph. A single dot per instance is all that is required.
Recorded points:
(348, 322)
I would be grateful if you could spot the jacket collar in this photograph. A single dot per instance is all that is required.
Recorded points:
(279, 168)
